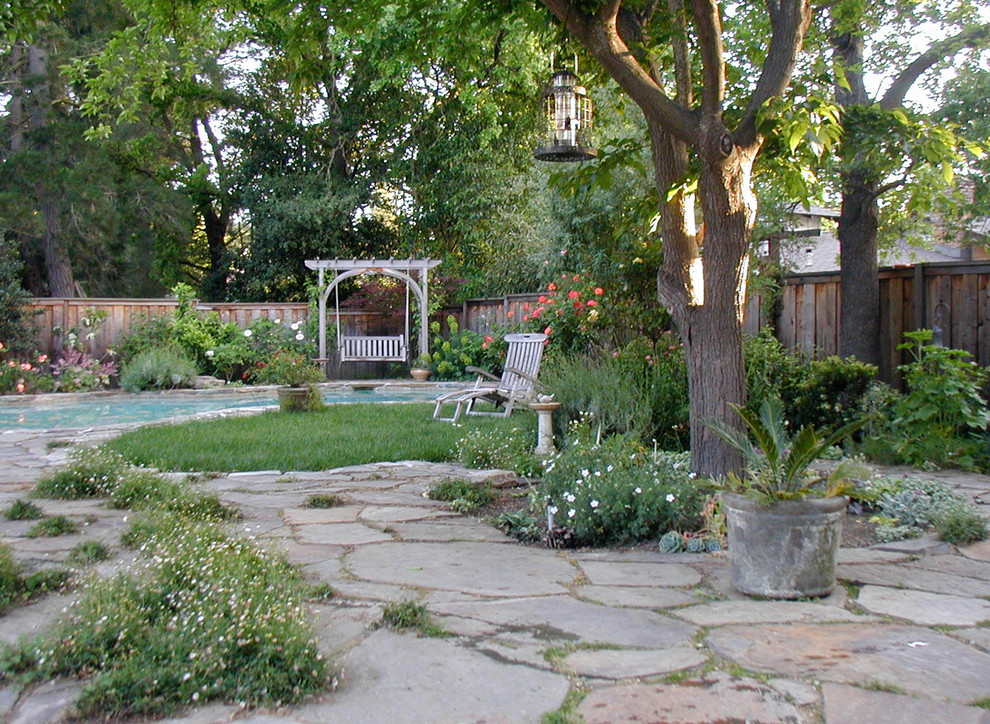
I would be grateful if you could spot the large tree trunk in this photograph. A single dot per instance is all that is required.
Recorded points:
(705, 295)
(859, 285)
(37, 107)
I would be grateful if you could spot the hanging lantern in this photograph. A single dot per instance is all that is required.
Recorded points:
(569, 120)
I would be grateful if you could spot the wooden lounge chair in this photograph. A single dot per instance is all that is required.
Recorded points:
(515, 386)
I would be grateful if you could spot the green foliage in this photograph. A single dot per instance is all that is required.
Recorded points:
(323, 500)
(101, 472)
(572, 311)
(403, 615)
(830, 394)
(771, 371)
(504, 449)
(143, 490)
(907, 507)
(463, 348)
(52, 527)
(778, 465)
(961, 525)
(24, 376)
(217, 348)
(521, 526)
(824, 393)
(613, 491)
(87, 552)
(160, 368)
(463, 495)
(206, 617)
(90, 472)
(15, 327)
(22, 510)
(286, 367)
(640, 389)
(17, 588)
(942, 419)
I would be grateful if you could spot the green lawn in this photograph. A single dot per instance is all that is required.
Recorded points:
(338, 436)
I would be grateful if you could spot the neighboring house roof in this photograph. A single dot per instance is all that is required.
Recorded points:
(821, 254)
(813, 249)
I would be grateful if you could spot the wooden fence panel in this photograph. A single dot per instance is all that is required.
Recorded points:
(954, 295)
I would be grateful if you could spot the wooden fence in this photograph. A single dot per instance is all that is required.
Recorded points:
(953, 296)
(54, 317)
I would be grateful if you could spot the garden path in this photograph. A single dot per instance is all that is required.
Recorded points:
(530, 625)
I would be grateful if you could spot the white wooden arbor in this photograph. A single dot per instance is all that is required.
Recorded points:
(379, 348)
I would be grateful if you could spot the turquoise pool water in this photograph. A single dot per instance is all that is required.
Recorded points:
(76, 411)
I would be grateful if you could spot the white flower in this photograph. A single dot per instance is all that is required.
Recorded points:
(609, 468)
(300, 336)
(248, 332)
(294, 326)
(594, 503)
(670, 497)
(585, 473)
(553, 510)
(569, 497)
(638, 490)
(209, 353)
(278, 321)
(571, 513)
(692, 476)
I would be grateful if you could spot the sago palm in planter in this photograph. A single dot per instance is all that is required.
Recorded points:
(784, 521)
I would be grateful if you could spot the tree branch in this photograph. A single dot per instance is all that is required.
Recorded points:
(709, 25)
(847, 52)
(790, 20)
(599, 34)
(974, 37)
(682, 59)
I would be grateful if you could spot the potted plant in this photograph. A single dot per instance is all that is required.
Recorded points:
(297, 376)
(784, 519)
(420, 369)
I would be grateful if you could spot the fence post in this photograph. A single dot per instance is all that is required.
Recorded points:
(920, 297)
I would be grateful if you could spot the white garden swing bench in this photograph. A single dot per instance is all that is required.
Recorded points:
(373, 348)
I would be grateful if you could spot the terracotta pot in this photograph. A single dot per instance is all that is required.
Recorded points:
(420, 374)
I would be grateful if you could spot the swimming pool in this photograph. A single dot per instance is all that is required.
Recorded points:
(69, 411)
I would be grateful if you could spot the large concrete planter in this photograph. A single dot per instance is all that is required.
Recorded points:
(786, 549)
(299, 399)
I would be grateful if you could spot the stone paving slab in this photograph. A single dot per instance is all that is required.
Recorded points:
(620, 664)
(402, 514)
(456, 530)
(47, 702)
(870, 555)
(850, 704)
(635, 596)
(914, 659)
(602, 573)
(956, 565)
(722, 613)
(917, 578)
(979, 637)
(977, 551)
(714, 699)
(486, 569)
(563, 619)
(309, 516)
(341, 534)
(922, 607)
(926, 545)
(393, 678)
